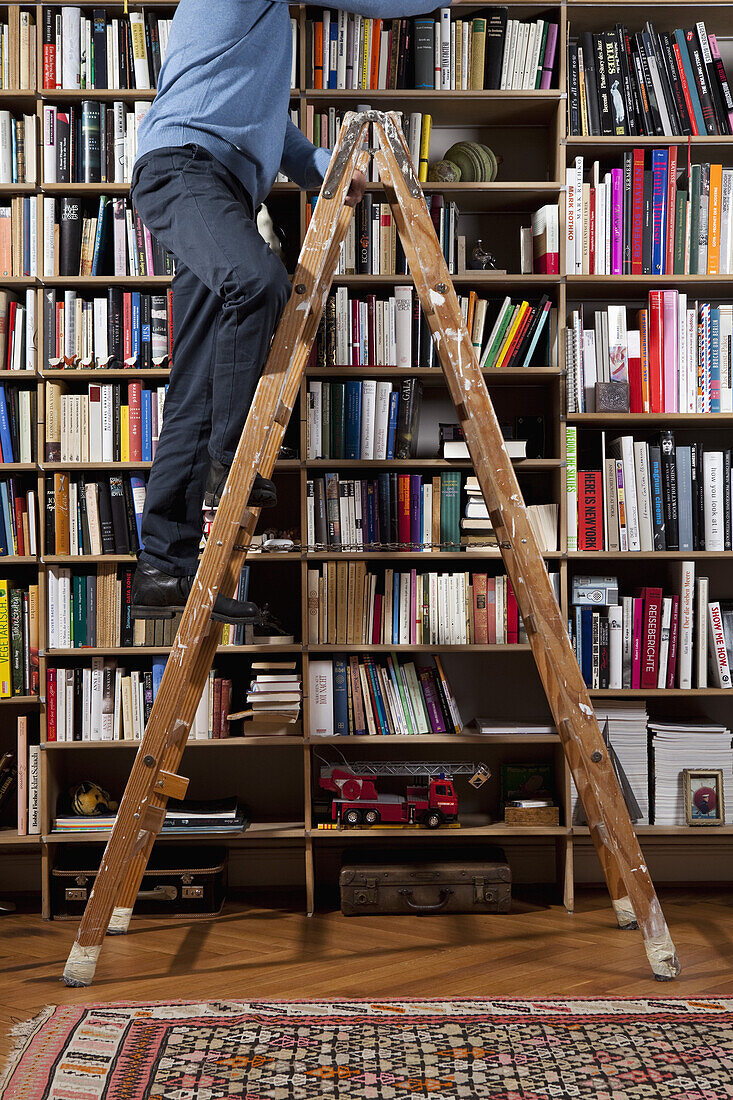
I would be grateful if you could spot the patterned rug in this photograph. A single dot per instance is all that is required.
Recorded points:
(277, 1050)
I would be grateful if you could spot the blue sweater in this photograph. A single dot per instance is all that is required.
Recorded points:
(225, 85)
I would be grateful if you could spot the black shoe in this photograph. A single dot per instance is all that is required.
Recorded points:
(158, 595)
(263, 495)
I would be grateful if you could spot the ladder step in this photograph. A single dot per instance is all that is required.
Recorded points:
(171, 785)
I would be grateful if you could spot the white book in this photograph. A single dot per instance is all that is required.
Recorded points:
(49, 143)
(623, 449)
(95, 423)
(505, 54)
(368, 414)
(702, 588)
(86, 703)
(617, 343)
(73, 518)
(718, 652)
(427, 512)
(71, 48)
(320, 698)
(200, 725)
(101, 352)
(664, 641)
(381, 419)
(314, 424)
(59, 678)
(137, 719)
(49, 252)
(31, 166)
(643, 496)
(139, 50)
(34, 789)
(415, 135)
(579, 228)
(570, 227)
(31, 331)
(615, 646)
(310, 513)
(685, 641)
(713, 498)
(343, 327)
(445, 69)
(403, 326)
(590, 370)
(97, 677)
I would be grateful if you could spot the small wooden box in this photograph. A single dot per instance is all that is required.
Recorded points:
(534, 815)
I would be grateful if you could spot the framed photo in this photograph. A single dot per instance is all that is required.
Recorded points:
(704, 802)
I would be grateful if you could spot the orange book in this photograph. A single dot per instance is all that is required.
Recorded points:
(318, 56)
(509, 342)
(61, 513)
(714, 214)
(374, 66)
(480, 619)
(472, 297)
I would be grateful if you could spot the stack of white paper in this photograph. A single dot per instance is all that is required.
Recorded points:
(627, 731)
(679, 745)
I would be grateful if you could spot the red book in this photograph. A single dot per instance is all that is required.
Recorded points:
(126, 326)
(685, 89)
(652, 629)
(49, 65)
(372, 331)
(216, 710)
(19, 538)
(10, 336)
(636, 399)
(318, 56)
(656, 351)
(377, 624)
(512, 615)
(637, 210)
(226, 698)
(671, 202)
(136, 439)
(519, 335)
(403, 512)
(590, 510)
(170, 326)
(591, 232)
(674, 628)
(50, 704)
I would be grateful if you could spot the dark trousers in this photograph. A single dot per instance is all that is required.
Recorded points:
(228, 293)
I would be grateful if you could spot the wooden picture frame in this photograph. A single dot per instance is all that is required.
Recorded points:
(709, 778)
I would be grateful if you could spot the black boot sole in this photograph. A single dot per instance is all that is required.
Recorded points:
(142, 611)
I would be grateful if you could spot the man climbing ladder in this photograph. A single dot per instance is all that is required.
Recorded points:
(153, 778)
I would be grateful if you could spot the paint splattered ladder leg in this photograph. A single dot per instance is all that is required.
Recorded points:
(613, 834)
(152, 778)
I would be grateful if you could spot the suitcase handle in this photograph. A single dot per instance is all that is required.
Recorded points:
(420, 908)
(158, 893)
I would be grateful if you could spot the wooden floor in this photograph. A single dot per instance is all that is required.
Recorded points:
(537, 950)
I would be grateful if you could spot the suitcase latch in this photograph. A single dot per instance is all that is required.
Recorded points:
(75, 893)
(192, 891)
(366, 894)
(481, 892)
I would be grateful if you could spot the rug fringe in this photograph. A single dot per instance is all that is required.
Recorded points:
(22, 1034)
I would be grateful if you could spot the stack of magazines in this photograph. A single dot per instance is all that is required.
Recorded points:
(218, 815)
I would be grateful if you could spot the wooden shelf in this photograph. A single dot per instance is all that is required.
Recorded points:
(687, 832)
(439, 739)
(423, 463)
(506, 376)
(191, 743)
(20, 701)
(486, 109)
(418, 649)
(483, 279)
(104, 374)
(654, 420)
(658, 693)
(651, 555)
(10, 839)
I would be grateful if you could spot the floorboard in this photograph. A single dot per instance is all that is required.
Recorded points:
(536, 950)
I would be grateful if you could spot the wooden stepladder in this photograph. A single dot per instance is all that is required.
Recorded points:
(153, 778)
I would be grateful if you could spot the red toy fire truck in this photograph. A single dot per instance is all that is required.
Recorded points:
(434, 803)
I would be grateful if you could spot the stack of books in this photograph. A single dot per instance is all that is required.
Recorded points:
(273, 700)
(216, 815)
(18, 148)
(19, 218)
(17, 331)
(18, 519)
(111, 422)
(90, 237)
(627, 733)
(372, 245)
(654, 496)
(122, 328)
(211, 720)
(106, 702)
(648, 83)
(516, 334)
(650, 640)
(108, 144)
(18, 69)
(100, 516)
(17, 420)
(18, 640)
(644, 218)
(353, 697)
(678, 745)
(345, 51)
(365, 420)
(478, 532)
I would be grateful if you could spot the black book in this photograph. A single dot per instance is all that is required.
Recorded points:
(647, 220)
(591, 83)
(99, 42)
(147, 695)
(726, 500)
(646, 123)
(624, 66)
(701, 81)
(665, 79)
(427, 347)
(78, 703)
(130, 60)
(667, 49)
(63, 163)
(81, 497)
(604, 102)
(407, 417)
(716, 94)
(424, 52)
(91, 151)
(669, 482)
(657, 497)
(152, 24)
(149, 52)
(49, 546)
(496, 19)
(405, 58)
(116, 422)
(442, 700)
(384, 505)
(11, 403)
(309, 81)
(119, 516)
(603, 654)
(416, 330)
(655, 116)
(106, 525)
(701, 497)
(115, 314)
(74, 135)
(574, 126)
(319, 509)
(130, 514)
(70, 236)
(363, 235)
(146, 335)
(614, 79)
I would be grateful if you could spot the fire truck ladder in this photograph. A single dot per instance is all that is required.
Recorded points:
(153, 777)
(420, 769)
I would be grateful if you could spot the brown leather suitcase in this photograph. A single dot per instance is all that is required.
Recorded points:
(180, 881)
(425, 886)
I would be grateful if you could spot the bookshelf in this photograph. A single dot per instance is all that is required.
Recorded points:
(529, 129)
